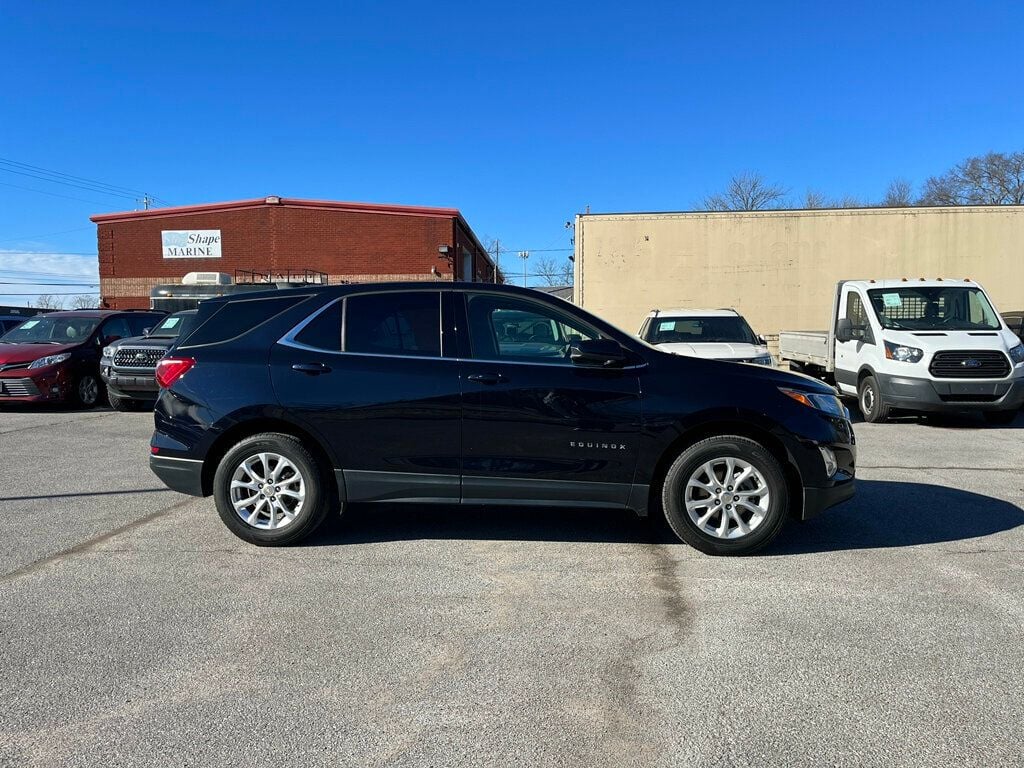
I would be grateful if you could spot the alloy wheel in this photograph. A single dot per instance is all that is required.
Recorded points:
(727, 498)
(267, 491)
(88, 390)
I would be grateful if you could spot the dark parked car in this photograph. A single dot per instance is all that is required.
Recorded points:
(55, 357)
(285, 406)
(128, 366)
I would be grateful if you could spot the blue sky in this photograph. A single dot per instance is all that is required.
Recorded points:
(519, 114)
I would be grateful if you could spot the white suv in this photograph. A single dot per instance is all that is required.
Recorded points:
(717, 334)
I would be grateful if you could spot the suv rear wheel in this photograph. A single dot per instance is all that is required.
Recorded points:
(270, 490)
(725, 495)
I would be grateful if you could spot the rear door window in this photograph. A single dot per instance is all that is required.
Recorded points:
(394, 323)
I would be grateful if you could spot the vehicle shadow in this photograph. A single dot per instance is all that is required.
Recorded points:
(894, 514)
(952, 420)
(882, 514)
(15, 407)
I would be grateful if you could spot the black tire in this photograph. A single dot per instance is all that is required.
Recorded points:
(869, 398)
(319, 494)
(1000, 418)
(87, 391)
(691, 461)
(122, 403)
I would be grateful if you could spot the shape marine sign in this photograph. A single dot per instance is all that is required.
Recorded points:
(191, 243)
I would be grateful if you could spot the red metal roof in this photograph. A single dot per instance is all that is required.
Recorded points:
(285, 202)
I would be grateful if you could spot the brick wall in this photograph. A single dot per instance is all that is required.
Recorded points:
(348, 245)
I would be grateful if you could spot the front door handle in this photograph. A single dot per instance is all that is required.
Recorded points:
(486, 378)
(313, 369)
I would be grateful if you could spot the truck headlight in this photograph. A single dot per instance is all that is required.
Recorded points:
(902, 352)
(1017, 354)
(829, 404)
(108, 352)
(42, 362)
(763, 360)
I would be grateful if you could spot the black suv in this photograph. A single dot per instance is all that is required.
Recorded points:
(128, 366)
(286, 405)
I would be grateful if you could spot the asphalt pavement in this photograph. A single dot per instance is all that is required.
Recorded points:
(135, 630)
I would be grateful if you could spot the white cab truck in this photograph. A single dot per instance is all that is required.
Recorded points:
(916, 345)
(716, 334)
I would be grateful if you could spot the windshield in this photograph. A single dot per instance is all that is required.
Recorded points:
(172, 325)
(51, 330)
(699, 330)
(934, 308)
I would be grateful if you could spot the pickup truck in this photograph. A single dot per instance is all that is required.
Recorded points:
(916, 345)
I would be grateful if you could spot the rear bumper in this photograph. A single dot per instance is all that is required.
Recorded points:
(181, 475)
(918, 394)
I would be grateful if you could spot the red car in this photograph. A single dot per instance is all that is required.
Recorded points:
(55, 357)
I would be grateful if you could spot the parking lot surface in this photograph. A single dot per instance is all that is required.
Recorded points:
(136, 630)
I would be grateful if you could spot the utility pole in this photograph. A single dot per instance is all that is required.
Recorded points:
(524, 255)
(146, 201)
(497, 258)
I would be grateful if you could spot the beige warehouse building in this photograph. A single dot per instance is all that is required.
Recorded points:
(779, 268)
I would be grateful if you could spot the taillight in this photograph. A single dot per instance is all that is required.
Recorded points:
(170, 369)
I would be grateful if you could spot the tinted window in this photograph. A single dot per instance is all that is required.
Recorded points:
(324, 330)
(237, 317)
(515, 329)
(116, 327)
(394, 323)
(697, 330)
(56, 329)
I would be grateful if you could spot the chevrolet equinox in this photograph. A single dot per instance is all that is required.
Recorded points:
(287, 405)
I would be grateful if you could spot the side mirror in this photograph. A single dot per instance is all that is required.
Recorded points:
(597, 353)
(761, 341)
(844, 329)
(146, 331)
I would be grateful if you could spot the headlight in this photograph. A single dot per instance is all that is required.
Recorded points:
(902, 353)
(1017, 354)
(108, 352)
(763, 360)
(42, 362)
(829, 404)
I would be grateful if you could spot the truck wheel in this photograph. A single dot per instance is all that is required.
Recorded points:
(725, 495)
(1000, 418)
(270, 491)
(869, 398)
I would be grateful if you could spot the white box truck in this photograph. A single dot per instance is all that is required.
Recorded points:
(917, 345)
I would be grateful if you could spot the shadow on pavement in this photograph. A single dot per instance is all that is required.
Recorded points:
(892, 514)
(882, 514)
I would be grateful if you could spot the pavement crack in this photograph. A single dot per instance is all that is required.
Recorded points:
(89, 544)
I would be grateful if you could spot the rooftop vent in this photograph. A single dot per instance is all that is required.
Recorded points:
(206, 278)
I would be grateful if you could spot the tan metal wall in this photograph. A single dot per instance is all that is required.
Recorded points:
(779, 268)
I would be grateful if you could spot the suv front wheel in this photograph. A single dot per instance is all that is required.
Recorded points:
(725, 495)
(270, 490)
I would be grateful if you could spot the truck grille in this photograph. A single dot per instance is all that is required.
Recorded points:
(980, 364)
(18, 388)
(137, 357)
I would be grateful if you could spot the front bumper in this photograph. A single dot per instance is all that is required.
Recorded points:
(917, 394)
(43, 385)
(181, 475)
(137, 385)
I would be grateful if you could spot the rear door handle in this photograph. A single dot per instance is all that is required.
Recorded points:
(313, 369)
(486, 378)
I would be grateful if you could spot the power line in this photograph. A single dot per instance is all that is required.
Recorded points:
(44, 234)
(49, 293)
(55, 194)
(87, 187)
(116, 189)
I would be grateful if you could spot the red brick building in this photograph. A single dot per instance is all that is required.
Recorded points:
(281, 238)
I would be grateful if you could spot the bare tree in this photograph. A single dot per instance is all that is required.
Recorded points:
(747, 192)
(554, 272)
(815, 199)
(899, 194)
(46, 301)
(992, 179)
(85, 301)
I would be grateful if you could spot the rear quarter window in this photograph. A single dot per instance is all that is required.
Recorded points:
(236, 318)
